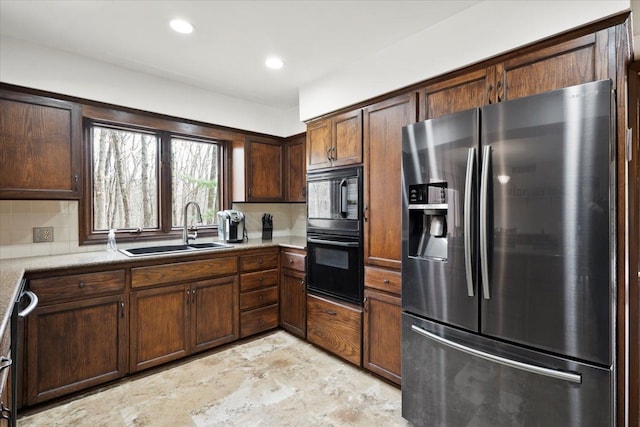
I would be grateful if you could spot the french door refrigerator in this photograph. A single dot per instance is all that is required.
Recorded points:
(508, 263)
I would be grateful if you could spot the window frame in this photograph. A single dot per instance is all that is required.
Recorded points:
(165, 131)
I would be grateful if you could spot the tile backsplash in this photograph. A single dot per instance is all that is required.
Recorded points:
(18, 217)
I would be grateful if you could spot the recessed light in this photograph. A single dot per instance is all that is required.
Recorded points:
(274, 63)
(181, 26)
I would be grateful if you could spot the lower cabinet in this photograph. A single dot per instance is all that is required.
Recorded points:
(335, 326)
(75, 345)
(169, 322)
(382, 336)
(293, 294)
(258, 292)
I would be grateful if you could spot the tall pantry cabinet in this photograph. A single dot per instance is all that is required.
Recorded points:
(382, 134)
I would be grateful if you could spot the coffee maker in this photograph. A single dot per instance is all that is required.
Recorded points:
(231, 226)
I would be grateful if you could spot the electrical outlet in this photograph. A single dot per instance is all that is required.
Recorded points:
(42, 234)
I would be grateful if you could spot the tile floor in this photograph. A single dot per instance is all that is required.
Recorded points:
(274, 380)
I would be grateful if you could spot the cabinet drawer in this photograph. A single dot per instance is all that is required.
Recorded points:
(258, 298)
(77, 285)
(335, 327)
(259, 279)
(182, 271)
(258, 320)
(262, 261)
(383, 280)
(293, 261)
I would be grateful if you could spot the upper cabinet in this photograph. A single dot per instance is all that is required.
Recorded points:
(294, 169)
(527, 72)
(463, 92)
(41, 147)
(257, 170)
(335, 141)
(268, 170)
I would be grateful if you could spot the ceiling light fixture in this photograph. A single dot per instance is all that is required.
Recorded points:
(181, 26)
(274, 63)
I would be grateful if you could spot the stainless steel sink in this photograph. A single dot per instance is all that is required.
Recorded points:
(155, 250)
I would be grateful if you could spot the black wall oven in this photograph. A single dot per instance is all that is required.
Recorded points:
(334, 234)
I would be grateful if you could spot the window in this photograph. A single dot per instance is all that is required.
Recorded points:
(194, 177)
(125, 179)
(139, 181)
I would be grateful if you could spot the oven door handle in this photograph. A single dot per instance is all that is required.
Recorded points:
(334, 243)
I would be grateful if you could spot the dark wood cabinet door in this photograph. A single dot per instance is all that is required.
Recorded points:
(336, 327)
(159, 325)
(293, 297)
(41, 147)
(214, 312)
(383, 124)
(264, 170)
(75, 345)
(463, 92)
(346, 133)
(319, 144)
(581, 60)
(295, 170)
(382, 334)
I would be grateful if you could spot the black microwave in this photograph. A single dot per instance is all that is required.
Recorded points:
(334, 202)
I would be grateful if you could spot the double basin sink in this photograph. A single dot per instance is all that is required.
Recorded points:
(155, 250)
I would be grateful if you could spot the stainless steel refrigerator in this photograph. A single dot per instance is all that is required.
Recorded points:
(508, 263)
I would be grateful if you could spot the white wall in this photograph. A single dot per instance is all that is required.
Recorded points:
(29, 65)
(485, 30)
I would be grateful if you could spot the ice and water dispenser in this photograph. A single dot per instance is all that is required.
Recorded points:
(428, 208)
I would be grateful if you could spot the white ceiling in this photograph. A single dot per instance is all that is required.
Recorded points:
(226, 52)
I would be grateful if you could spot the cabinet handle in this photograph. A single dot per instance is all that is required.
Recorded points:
(329, 153)
(5, 413)
(365, 304)
(260, 261)
(121, 308)
(81, 285)
(386, 281)
(5, 362)
(500, 91)
(260, 297)
(76, 178)
(364, 213)
(290, 261)
(302, 282)
(249, 191)
(260, 279)
(260, 321)
(193, 293)
(187, 296)
(489, 93)
(304, 191)
(331, 312)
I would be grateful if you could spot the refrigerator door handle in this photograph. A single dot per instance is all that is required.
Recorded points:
(552, 373)
(484, 260)
(467, 219)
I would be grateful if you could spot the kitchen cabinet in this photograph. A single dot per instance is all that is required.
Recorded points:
(258, 292)
(77, 336)
(335, 326)
(173, 320)
(293, 294)
(463, 92)
(382, 337)
(382, 225)
(257, 170)
(295, 169)
(41, 147)
(533, 70)
(335, 141)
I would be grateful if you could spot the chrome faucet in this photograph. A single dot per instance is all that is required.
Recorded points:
(185, 232)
